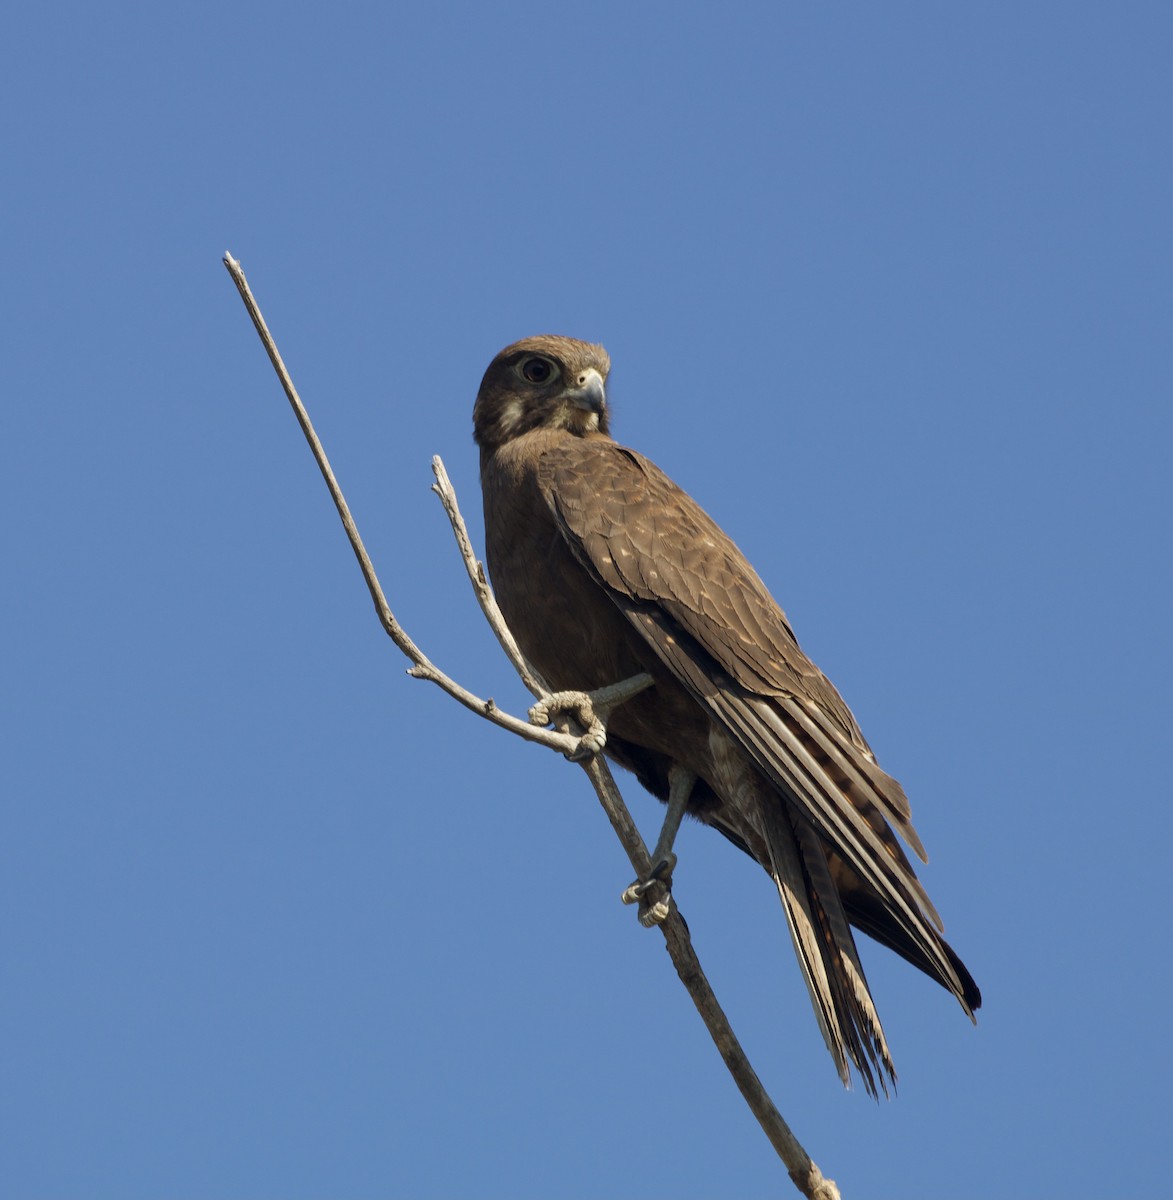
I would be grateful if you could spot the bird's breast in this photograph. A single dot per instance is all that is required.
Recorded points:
(575, 634)
(563, 621)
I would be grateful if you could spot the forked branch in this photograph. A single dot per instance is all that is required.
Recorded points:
(805, 1174)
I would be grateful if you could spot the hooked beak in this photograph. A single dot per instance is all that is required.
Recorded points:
(589, 394)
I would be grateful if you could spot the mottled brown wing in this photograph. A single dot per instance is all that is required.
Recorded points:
(650, 539)
(691, 594)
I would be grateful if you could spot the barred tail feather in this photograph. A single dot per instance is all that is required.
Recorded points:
(826, 950)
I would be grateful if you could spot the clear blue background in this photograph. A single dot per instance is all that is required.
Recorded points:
(887, 287)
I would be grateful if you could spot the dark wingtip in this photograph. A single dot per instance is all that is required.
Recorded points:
(970, 994)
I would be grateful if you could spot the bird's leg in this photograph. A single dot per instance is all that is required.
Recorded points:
(652, 893)
(590, 710)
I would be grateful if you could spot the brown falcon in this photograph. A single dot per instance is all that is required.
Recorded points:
(605, 569)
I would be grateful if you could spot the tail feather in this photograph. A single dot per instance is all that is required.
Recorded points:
(826, 950)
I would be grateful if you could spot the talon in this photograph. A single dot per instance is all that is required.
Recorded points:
(653, 893)
(655, 914)
(664, 867)
(577, 706)
(589, 745)
(585, 708)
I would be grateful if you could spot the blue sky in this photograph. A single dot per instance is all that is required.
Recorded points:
(885, 287)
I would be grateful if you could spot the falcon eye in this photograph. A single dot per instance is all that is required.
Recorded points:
(537, 370)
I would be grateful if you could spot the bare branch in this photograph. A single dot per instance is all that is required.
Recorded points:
(806, 1175)
(480, 584)
(423, 668)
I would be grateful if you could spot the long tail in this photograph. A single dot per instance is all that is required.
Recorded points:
(825, 947)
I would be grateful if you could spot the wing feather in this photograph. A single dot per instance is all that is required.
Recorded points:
(688, 590)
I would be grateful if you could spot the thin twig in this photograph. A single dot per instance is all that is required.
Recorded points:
(423, 668)
(805, 1174)
(480, 584)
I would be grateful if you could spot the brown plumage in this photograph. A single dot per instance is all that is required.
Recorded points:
(604, 568)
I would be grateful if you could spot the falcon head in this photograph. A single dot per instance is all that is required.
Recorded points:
(544, 382)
